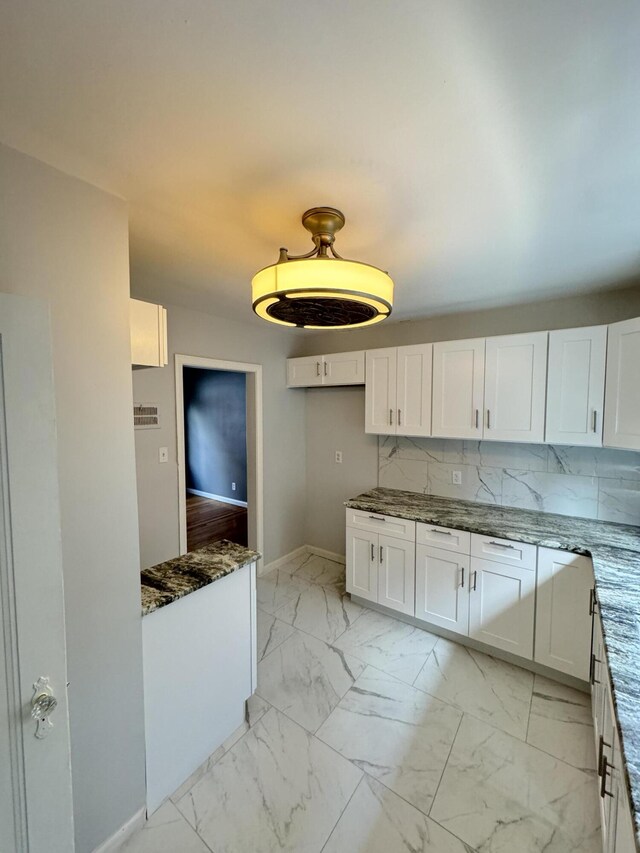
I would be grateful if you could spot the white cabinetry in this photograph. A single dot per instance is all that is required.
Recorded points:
(575, 386)
(502, 606)
(622, 400)
(442, 596)
(381, 560)
(148, 331)
(398, 390)
(515, 387)
(458, 388)
(341, 368)
(563, 613)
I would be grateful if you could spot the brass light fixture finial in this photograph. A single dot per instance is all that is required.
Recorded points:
(321, 289)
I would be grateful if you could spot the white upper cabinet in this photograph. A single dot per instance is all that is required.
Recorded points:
(381, 391)
(575, 386)
(515, 387)
(148, 330)
(413, 400)
(340, 368)
(622, 401)
(398, 390)
(458, 388)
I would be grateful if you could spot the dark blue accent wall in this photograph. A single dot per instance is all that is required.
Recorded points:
(215, 429)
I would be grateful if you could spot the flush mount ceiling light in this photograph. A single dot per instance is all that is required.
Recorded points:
(319, 290)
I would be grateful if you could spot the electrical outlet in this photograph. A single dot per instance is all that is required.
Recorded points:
(339, 457)
(456, 477)
(233, 487)
(163, 454)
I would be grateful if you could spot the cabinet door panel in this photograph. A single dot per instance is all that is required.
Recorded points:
(380, 391)
(575, 386)
(414, 390)
(458, 388)
(148, 331)
(343, 368)
(445, 538)
(515, 387)
(362, 564)
(304, 372)
(622, 392)
(563, 622)
(442, 596)
(396, 574)
(399, 528)
(501, 606)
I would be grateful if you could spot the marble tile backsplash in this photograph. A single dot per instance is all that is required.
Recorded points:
(581, 481)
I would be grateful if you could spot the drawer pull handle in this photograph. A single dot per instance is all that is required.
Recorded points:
(390, 417)
(594, 661)
(377, 518)
(592, 601)
(477, 417)
(381, 553)
(595, 421)
(441, 532)
(488, 419)
(317, 368)
(462, 583)
(475, 580)
(603, 783)
(500, 545)
(399, 417)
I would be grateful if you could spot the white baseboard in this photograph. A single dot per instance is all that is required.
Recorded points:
(115, 842)
(220, 498)
(303, 549)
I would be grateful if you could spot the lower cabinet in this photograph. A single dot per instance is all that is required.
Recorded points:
(381, 568)
(502, 606)
(563, 612)
(442, 584)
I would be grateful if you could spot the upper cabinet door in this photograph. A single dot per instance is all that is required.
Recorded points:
(381, 391)
(304, 372)
(622, 399)
(515, 387)
(343, 368)
(458, 388)
(414, 390)
(575, 386)
(148, 330)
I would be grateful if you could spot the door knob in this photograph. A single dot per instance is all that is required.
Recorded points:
(43, 704)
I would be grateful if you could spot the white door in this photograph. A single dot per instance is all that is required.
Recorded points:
(442, 588)
(563, 618)
(622, 393)
(343, 368)
(414, 390)
(304, 372)
(396, 574)
(501, 606)
(575, 386)
(36, 812)
(458, 388)
(515, 387)
(362, 564)
(380, 391)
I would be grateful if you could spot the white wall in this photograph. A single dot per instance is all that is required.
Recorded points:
(195, 333)
(608, 482)
(67, 242)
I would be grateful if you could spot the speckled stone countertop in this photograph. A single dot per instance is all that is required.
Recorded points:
(615, 552)
(176, 578)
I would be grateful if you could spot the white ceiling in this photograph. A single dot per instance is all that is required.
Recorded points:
(484, 151)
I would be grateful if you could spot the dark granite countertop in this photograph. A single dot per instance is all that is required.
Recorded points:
(615, 552)
(176, 578)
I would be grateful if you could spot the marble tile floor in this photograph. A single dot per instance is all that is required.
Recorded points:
(367, 735)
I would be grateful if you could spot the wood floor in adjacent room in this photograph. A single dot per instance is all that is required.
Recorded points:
(209, 521)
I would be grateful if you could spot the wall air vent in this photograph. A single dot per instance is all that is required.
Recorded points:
(146, 416)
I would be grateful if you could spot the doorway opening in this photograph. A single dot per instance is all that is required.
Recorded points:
(219, 428)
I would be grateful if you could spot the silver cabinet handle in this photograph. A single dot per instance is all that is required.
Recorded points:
(377, 518)
(372, 554)
(500, 545)
(441, 532)
(390, 417)
(488, 419)
(593, 601)
(462, 582)
(601, 745)
(603, 782)
(317, 368)
(381, 553)
(325, 368)
(399, 417)
(595, 421)
(477, 418)
(594, 661)
(475, 580)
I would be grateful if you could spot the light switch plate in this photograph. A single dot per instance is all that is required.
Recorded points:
(163, 454)
(456, 477)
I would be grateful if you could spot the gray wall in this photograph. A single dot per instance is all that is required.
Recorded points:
(67, 242)
(335, 421)
(215, 431)
(194, 333)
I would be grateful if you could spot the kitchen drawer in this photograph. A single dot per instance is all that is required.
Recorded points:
(373, 522)
(443, 537)
(504, 551)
